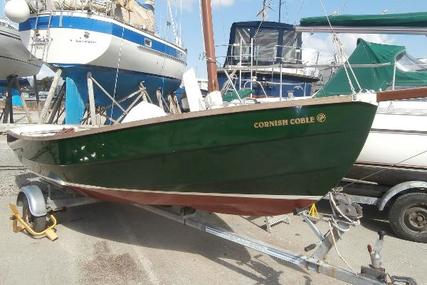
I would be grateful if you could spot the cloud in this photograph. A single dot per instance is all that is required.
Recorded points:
(322, 45)
(186, 4)
(189, 5)
(350, 40)
(218, 3)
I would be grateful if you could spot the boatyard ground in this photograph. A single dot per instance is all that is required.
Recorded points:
(120, 244)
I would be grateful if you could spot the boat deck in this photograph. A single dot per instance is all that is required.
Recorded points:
(48, 130)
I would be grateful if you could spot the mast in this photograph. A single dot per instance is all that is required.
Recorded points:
(209, 45)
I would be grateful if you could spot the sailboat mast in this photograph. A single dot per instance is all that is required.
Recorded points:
(209, 45)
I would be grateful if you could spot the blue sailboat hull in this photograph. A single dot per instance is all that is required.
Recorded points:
(118, 83)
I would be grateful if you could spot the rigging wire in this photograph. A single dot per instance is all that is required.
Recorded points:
(117, 69)
(341, 52)
(386, 169)
(299, 12)
(343, 7)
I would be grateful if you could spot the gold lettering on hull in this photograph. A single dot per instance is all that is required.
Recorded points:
(319, 118)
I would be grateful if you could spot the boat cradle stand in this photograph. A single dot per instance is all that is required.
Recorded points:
(339, 224)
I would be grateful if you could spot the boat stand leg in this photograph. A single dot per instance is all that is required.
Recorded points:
(93, 116)
(174, 105)
(159, 96)
(271, 221)
(48, 101)
(57, 105)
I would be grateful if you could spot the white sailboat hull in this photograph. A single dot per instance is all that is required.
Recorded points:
(14, 58)
(75, 38)
(118, 56)
(398, 136)
(396, 148)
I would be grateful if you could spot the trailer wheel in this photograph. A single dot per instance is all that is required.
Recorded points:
(38, 224)
(408, 216)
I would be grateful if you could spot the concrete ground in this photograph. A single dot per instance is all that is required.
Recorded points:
(122, 244)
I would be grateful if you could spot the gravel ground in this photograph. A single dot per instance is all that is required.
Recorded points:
(10, 167)
(122, 244)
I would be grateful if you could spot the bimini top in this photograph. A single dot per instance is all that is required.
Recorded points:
(410, 72)
(418, 19)
(273, 43)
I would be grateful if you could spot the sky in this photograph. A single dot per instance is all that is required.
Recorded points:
(225, 12)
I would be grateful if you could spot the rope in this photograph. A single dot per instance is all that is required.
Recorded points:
(117, 69)
(333, 223)
(337, 251)
(386, 169)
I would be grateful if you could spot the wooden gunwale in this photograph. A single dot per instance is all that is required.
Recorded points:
(192, 115)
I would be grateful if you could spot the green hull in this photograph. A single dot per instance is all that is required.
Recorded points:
(288, 150)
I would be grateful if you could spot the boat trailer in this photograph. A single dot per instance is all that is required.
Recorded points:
(345, 215)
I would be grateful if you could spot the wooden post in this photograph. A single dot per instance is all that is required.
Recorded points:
(91, 99)
(50, 95)
(56, 105)
(159, 98)
(209, 45)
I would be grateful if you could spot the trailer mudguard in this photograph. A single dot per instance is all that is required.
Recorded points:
(35, 198)
(395, 190)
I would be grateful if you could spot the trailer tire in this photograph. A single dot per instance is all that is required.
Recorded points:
(408, 217)
(38, 224)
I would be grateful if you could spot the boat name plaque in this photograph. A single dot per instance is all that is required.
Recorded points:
(320, 118)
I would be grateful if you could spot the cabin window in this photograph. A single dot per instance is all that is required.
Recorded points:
(241, 50)
(265, 46)
(291, 49)
(405, 62)
(148, 42)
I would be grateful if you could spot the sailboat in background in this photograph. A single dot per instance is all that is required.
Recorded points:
(397, 140)
(114, 42)
(15, 60)
(265, 59)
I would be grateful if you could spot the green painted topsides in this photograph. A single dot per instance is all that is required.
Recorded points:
(301, 150)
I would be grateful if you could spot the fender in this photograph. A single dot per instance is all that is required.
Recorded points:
(35, 198)
(393, 191)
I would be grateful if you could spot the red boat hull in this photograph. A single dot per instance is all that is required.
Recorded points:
(242, 205)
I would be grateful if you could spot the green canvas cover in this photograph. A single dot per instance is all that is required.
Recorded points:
(418, 19)
(373, 78)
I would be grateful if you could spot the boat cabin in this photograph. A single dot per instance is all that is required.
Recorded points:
(264, 59)
(272, 43)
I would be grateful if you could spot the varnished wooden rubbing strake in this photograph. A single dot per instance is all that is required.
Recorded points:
(410, 93)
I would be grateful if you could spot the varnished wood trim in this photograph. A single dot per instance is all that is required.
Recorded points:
(192, 115)
(402, 94)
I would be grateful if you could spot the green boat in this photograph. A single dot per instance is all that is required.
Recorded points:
(259, 159)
